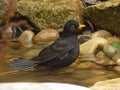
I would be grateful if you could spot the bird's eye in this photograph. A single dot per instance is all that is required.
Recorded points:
(73, 27)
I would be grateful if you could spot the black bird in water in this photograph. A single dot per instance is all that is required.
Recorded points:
(61, 53)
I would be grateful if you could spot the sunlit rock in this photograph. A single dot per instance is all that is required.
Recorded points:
(46, 35)
(109, 50)
(112, 84)
(113, 39)
(31, 53)
(50, 13)
(106, 15)
(26, 38)
(92, 45)
(101, 33)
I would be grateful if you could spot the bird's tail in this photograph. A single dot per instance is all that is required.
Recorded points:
(22, 64)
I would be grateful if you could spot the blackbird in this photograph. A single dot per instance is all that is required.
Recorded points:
(61, 53)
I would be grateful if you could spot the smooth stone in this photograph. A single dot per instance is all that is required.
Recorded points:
(98, 72)
(87, 57)
(46, 35)
(117, 68)
(90, 81)
(113, 84)
(88, 65)
(116, 56)
(31, 53)
(118, 62)
(109, 50)
(103, 59)
(84, 65)
(101, 33)
(92, 45)
(26, 38)
(113, 39)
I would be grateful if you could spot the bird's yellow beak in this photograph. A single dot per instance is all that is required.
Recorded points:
(81, 26)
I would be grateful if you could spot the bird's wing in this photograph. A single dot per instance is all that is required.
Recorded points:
(55, 50)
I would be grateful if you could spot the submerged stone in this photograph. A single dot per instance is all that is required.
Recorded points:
(46, 35)
(92, 45)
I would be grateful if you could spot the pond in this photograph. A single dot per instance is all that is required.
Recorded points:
(71, 74)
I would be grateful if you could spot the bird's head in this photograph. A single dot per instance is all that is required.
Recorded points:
(72, 27)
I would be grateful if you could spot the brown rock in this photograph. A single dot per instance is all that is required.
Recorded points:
(46, 35)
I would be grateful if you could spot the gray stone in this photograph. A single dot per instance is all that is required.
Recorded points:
(109, 50)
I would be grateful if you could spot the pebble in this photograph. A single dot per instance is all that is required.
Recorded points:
(46, 35)
(26, 38)
(101, 33)
(109, 50)
(92, 45)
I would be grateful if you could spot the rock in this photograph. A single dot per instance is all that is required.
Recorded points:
(31, 53)
(112, 84)
(51, 13)
(88, 65)
(26, 38)
(92, 45)
(46, 35)
(117, 68)
(116, 56)
(109, 50)
(98, 72)
(118, 62)
(94, 79)
(3, 9)
(108, 13)
(83, 38)
(116, 45)
(103, 60)
(113, 39)
(101, 33)
(87, 57)
(84, 65)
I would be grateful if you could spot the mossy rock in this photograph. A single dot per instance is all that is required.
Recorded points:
(3, 9)
(51, 13)
(106, 15)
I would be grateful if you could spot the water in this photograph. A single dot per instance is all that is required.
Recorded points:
(71, 74)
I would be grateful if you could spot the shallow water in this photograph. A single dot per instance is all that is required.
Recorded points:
(43, 74)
